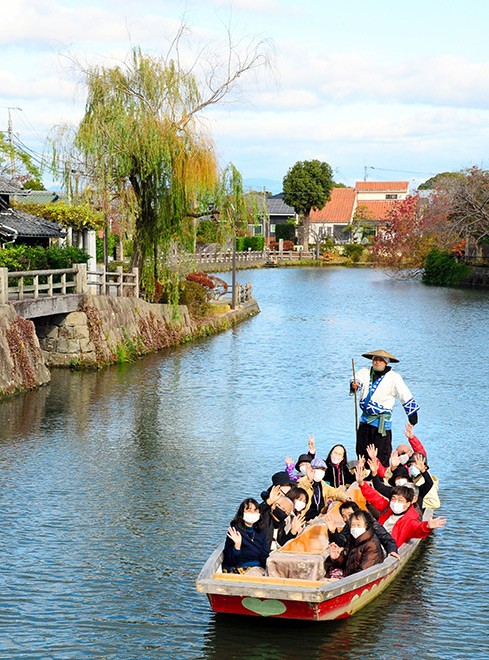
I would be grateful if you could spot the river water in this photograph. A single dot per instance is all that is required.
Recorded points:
(116, 486)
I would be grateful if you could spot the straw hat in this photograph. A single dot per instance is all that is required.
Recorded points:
(382, 354)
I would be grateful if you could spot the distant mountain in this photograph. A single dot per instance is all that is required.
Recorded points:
(270, 185)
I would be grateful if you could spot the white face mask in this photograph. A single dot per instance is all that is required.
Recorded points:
(318, 475)
(251, 517)
(401, 482)
(336, 459)
(414, 471)
(303, 469)
(397, 507)
(357, 531)
(403, 458)
(299, 505)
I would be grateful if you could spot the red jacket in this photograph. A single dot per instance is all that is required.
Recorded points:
(417, 446)
(408, 526)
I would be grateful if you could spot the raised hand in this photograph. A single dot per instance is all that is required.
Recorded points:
(437, 523)
(289, 460)
(311, 446)
(419, 462)
(372, 451)
(334, 551)
(408, 431)
(395, 460)
(374, 466)
(235, 537)
(297, 524)
(359, 474)
(275, 493)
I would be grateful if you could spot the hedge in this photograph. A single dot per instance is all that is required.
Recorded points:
(441, 269)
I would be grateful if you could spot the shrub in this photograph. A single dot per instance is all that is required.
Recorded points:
(288, 245)
(353, 251)
(201, 278)
(26, 257)
(196, 297)
(441, 269)
(287, 232)
(249, 242)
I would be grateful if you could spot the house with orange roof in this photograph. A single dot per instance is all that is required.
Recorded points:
(369, 202)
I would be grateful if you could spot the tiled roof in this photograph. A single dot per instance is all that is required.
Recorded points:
(30, 226)
(377, 208)
(8, 187)
(338, 209)
(277, 206)
(382, 186)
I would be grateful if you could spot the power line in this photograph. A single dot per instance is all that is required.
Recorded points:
(383, 169)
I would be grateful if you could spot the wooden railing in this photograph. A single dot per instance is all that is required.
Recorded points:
(208, 258)
(244, 292)
(116, 283)
(36, 284)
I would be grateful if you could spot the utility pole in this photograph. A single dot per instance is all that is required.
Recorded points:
(10, 140)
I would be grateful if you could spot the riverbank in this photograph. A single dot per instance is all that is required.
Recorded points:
(104, 331)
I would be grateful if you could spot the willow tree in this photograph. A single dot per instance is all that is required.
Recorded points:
(142, 134)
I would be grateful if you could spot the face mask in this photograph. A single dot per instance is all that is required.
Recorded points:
(401, 482)
(397, 507)
(303, 469)
(357, 531)
(279, 514)
(414, 472)
(299, 505)
(318, 475)
(336, 459)
(403, 458)
(250, 517)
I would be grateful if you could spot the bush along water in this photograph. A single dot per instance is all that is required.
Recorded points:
(25, 257)
(442, 269)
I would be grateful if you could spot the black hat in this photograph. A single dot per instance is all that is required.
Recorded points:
(399, 471)
(303, 458)
(280, 478)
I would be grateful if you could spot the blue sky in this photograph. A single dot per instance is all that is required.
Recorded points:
(402, 88)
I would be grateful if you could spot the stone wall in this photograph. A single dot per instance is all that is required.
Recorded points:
(22, 365)
(107, 330)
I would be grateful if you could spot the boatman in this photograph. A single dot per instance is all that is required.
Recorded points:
(379, 387)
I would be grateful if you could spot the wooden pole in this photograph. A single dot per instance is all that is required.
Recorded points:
(355, 396)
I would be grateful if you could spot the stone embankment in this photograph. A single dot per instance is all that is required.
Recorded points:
(105, 330)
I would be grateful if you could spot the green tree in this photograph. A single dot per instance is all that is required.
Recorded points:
(18, 164)
(141, 141)
(308, 185)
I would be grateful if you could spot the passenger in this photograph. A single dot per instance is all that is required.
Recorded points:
(365, 550)
(400, 477)
(401, 455)
(299, 497)
(347, 509)
(275, 511)
(398, 515)
(334, 564)
(422, 477)
(302, 462)
(280, 479)
(319, 492)
(337, 471)
(246, 543)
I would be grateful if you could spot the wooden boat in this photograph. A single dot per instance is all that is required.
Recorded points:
(289, 598)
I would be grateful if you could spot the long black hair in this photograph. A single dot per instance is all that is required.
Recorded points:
(238, 520)
(343, 462)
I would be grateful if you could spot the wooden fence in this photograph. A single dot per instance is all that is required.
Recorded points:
(35, 284)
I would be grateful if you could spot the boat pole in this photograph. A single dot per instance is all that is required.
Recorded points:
(355, 395)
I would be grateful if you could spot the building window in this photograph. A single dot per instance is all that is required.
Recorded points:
(272, 229)
(391, 196)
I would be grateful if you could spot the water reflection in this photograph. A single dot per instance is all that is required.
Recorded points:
(117, 485)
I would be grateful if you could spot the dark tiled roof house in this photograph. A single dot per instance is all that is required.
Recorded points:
(19, 226)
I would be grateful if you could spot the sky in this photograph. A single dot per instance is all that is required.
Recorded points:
(386, 89)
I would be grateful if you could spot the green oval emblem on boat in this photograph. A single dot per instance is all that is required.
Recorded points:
(267, 607)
